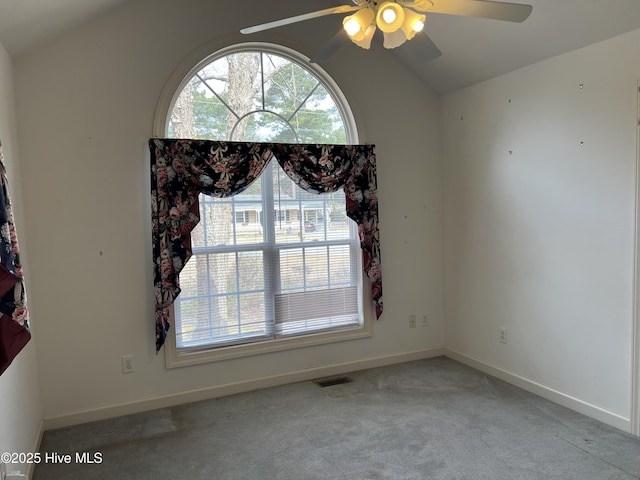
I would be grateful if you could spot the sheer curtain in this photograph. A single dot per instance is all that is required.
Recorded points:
(182, 169)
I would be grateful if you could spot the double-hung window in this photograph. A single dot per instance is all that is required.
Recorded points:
(273, 262)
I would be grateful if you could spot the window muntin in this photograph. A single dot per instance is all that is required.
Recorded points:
(257, 96)
(256, 276)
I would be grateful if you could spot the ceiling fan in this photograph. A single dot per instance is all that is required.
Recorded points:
(399, 21)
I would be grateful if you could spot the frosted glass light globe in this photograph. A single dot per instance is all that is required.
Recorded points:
(352, 27)
(389, 15)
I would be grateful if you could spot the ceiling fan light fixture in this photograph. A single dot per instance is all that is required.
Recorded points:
(366, 40)
(413, 23)
(401, 20)
(390, 17)
(356, 25)
(394, 39)
(351, 26)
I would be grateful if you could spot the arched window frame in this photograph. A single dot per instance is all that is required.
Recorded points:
(180, 77)
(196, 61)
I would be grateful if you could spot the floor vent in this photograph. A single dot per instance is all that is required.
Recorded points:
(328, 382)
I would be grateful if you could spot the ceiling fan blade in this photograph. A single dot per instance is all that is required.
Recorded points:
(419, 50)
(332, 47)
(510, 12)
(300, 18)
(416, 53)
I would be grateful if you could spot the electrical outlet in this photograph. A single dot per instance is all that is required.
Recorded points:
(425, 321)
(412, 321)
(127, 364)
(502, 335)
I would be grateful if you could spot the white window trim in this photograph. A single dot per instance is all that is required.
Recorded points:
(178, 79)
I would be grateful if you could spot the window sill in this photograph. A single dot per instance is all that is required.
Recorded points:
(174, 359)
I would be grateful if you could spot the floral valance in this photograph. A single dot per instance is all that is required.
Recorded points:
(182, 169)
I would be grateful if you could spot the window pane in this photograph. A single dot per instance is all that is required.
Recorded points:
(192, 321)
(217, 303)
(229, 221)
(252, 315)
(215, 226)
(342, 270)
(265, 127)
(316, 115)
(313, 268)
(291, 270)
(251, 268)
(338, 224)
(317, 268)
(249, 230)
(189, 279)
(213, 79)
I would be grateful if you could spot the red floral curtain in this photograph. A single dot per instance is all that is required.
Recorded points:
(14, 315)
(182, 169)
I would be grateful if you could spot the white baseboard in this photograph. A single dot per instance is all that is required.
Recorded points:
(36, 447)
(543, 391)
(166, 401)
(102, 413)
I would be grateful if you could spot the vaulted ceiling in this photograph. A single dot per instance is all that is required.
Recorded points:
(473, 49)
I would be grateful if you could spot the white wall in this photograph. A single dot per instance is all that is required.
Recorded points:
(20, 404)
(539, 230)
(85, 110)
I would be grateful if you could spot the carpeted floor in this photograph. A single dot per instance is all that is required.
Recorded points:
(429, 419)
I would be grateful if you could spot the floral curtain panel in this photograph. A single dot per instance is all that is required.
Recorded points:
(14, 317)
(182, 169)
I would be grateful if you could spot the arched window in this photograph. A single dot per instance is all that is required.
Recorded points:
(266, 94)
(273, 262)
